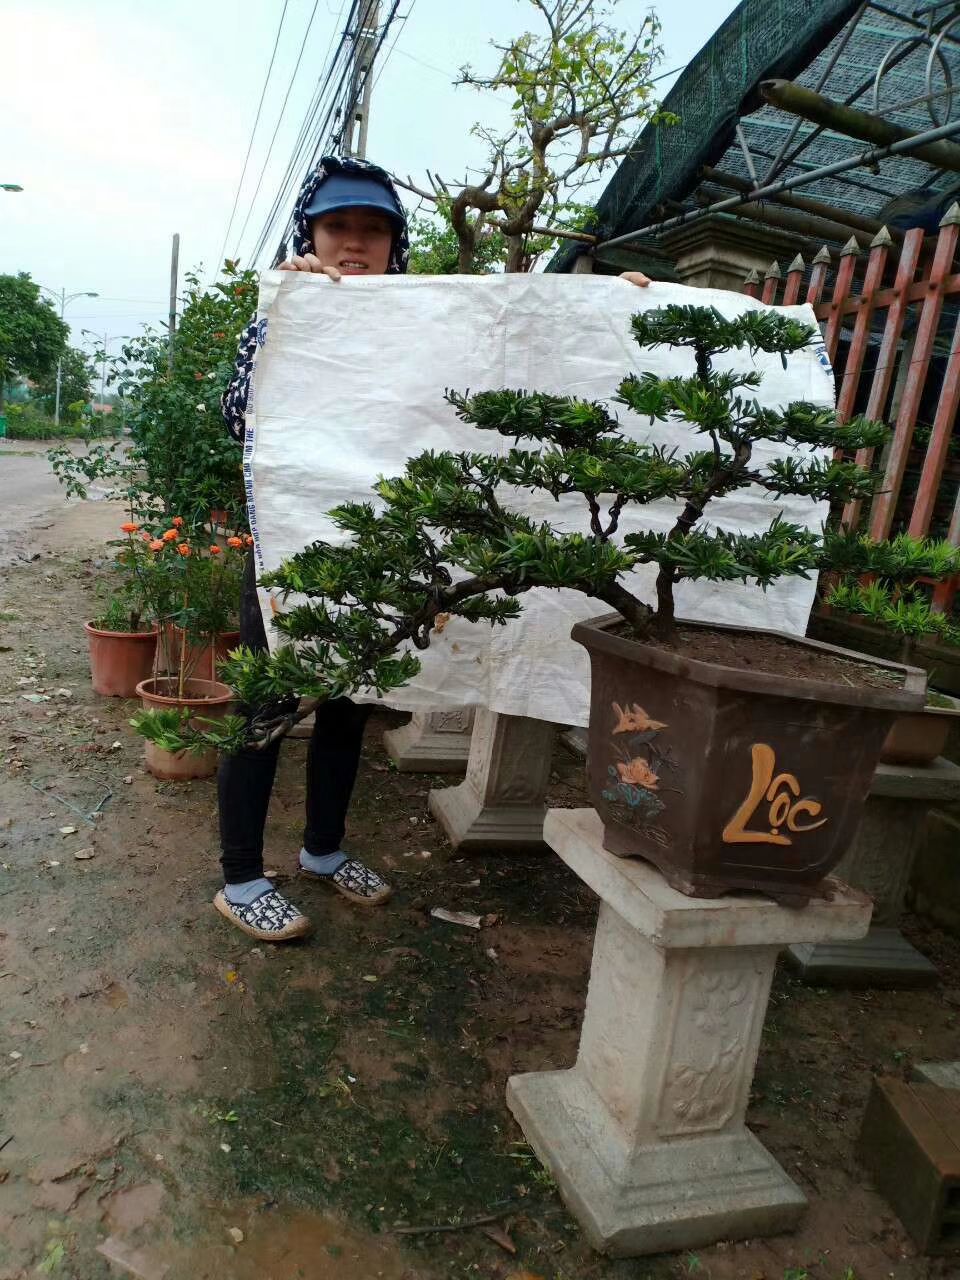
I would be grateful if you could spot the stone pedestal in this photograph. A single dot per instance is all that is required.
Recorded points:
(645, 1135)
(880, 862)
(303, 728)
(433, 741)
(501, 803)
(946, 1075)
(935, 890)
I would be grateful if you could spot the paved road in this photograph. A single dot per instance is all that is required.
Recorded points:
(33, 510)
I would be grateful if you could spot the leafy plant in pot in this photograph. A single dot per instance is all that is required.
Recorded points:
(903, 609)
(122, 645)
(194, 591)
(731, 758)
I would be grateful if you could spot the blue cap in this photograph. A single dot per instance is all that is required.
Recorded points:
(352, 191)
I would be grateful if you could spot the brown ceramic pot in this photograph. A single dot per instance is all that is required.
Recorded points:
(730, 778)
(201, 660)
(919, 737)
(119, 660)
(208, 699)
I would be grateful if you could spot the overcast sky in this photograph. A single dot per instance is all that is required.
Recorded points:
(127, 122)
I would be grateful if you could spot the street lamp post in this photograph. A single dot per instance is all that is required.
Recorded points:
(64, 298)
(106, 338)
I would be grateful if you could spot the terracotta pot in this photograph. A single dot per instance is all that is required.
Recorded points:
(119, 660)
(201, 659)
(919, 737)
(731, 778)
(208, 699)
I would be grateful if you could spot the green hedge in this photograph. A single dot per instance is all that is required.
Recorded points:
(27, 422)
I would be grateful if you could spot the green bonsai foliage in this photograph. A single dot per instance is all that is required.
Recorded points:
(895, 600)
(442, 540)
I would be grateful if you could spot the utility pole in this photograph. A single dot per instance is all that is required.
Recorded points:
(103, 373)
(172, 323)
(357, 119)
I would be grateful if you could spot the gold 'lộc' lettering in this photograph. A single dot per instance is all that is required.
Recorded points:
(781, 791)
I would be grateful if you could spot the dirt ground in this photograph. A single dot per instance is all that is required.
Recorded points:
(202, 1106)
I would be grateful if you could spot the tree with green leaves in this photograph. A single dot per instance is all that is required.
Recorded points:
(76, 379)
(179, 460)
(435, 249)
(32, 335)
(578, 91)
(440, 539)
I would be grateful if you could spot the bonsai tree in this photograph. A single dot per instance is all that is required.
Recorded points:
(894, 600)
(441, 541)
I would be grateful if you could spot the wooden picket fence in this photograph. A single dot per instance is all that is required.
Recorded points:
(891, 325)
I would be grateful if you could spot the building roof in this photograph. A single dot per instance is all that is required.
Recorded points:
(880, 56)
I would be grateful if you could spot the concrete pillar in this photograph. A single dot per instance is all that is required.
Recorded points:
(719, 252)
(501, 803)
(645, 1134)
(433, 741)
(880, 862)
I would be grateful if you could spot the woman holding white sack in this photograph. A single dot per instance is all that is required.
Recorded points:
(348, 221)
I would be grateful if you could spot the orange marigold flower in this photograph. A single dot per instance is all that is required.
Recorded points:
(184, 548)
(198, 376)
(216, 551)
(147, 537)
(639, 773)
(247, 540)
(156, 545)
(130, 527)
(220, 335)
(177, 522)
(234, 542)
(171, 535)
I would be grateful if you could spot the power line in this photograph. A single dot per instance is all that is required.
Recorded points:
(324, 134)
(390, 51)
(309, 120)
(308, 129)
(253, 132)
(276, 129)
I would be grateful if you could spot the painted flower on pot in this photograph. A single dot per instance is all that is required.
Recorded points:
(639, 773)
(635, 720)
(635, 779)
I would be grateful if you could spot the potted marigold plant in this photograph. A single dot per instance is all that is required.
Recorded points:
(730, 757)
(195, 590)
(122, 641)
(905, 610)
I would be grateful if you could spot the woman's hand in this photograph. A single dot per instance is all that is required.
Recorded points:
(635, 277)
(310, 262)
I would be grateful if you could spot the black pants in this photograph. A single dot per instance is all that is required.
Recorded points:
(245, 780)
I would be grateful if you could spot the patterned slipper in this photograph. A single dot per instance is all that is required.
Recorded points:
(356, 882)
(269, 918)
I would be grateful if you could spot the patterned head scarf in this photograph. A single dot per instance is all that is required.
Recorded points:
(328, 166)
(233, 402)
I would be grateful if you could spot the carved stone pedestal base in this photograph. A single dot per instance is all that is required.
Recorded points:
(501, 803)
(645, 1135)
(880, 861)
(433, 741)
